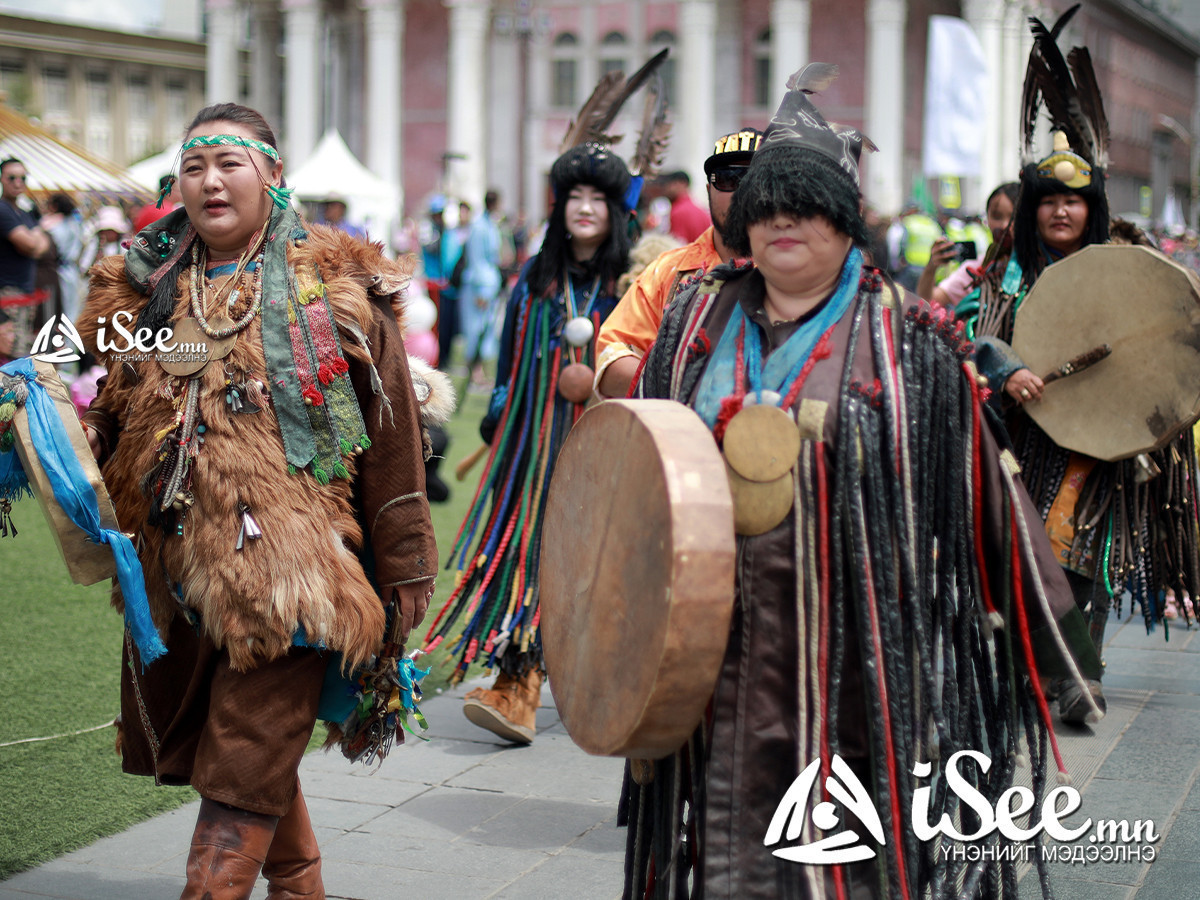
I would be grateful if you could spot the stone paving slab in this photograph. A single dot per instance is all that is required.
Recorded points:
(466, 816)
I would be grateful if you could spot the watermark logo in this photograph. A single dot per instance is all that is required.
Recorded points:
(844, 847)
(1003, 818)
(58, 342)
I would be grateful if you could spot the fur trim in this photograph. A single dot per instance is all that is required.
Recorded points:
(649, 247)
(304, 571)
(435, 392)
(338, 254)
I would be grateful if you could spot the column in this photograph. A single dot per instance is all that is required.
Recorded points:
(694, 77)
(1193, 216)
(302, 20)
(1016, 41)
(119, 113)
(265, 63)
(540, 147)
(466, 90)
(221, 52)
(384, 25)
(986, 17)
(790, 20)
(884, 187)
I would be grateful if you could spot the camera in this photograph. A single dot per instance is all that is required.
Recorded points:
(964, 250)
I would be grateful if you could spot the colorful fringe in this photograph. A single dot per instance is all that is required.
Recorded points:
(492, 615)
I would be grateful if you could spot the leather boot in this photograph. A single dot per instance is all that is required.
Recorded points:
(229, 846)
(293, 866)
(509, 707)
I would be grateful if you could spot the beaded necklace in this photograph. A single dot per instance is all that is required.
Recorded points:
(196, 290)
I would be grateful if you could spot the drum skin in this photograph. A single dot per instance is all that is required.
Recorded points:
(1147, 308)
(636, 577)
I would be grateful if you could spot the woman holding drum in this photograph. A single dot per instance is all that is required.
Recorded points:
(895, 603)
(260, 465)
(1112, 527)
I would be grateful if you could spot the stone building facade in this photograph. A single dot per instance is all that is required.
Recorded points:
(123, 96)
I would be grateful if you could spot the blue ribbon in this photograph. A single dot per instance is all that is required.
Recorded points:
(78, 500)
(784, 365)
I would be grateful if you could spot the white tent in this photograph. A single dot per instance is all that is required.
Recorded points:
(333, 171)
(149, 170)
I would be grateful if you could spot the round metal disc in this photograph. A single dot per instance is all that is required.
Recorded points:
(219, 349)
(575, 382)
(758, 506)
(761, 443)
(191, 349)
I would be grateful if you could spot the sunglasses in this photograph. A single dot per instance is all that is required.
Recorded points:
(726, 180)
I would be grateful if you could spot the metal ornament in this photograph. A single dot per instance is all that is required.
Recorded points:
(578, 331)
(193, 349)
(575, 382)
(761, 443)
(759, 506)
(250, 530)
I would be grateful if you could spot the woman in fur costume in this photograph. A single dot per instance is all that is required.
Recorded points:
(271, 470)
(900, 605)
(544, 378)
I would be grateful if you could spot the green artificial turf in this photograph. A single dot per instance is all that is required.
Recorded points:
(59, 673)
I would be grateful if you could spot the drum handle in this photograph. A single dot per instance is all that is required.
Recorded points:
(461, 470)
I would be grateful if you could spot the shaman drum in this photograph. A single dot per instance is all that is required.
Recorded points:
(1147, 308)
(87, 561)
(636, 577)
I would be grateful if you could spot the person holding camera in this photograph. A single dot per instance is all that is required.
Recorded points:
(951, 289)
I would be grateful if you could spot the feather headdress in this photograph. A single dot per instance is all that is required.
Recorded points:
(798, 123)
(1077, 161)
(586, 153)
(1068, 88)
(605, 102)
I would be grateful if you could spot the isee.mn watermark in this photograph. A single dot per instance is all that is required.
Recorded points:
(59, 342)
(1109, 840)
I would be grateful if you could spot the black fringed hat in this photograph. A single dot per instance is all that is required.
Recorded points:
(593, 164)
(797, 123)
(1078, 158)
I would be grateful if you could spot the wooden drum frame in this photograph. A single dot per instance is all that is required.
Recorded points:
(636, 577)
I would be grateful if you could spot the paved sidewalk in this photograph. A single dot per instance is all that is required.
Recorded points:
(465, 816)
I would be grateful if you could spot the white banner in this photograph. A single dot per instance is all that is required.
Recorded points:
(956, 76)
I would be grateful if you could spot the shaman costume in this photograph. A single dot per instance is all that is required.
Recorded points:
(545, 375)
(527, 421)
(903, 608)
(1112, 528)
(273, 504)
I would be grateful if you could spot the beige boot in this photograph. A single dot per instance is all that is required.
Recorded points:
(227, 853)
(509, 707)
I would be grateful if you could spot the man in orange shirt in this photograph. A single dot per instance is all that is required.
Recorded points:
(629, 331)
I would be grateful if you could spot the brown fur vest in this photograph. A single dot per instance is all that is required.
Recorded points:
(304, 571)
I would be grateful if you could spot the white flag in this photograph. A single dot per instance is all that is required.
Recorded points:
(956, 77)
